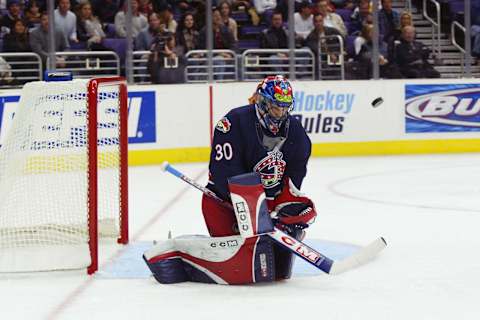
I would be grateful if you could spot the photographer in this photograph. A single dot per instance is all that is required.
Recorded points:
(166, 63)
(412, 56)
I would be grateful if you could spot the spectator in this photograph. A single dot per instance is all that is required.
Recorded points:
(331, 19)
(145, 7)
(405, 20)
(412, 56)
(275, 37)
(244, 6)
(166, 15)
(66, 20)
(475, 29)
(139, 21)
(32, 14)
(14, 13)
(158, 4)
(222, 36)
(90, 28)
(321, 46)
(144, 39)
(303, 20)
(200, 14)
(350, 4)
(364, 57)
(362, 38)
(39, 41)
(361, 18)
(17, 40)
(231, 24)
(187, 35)
(186, 5)
(222, 39)
(265, 9)
(240, 4)
(388, 21)
(105, 10)
(6, 78)
(356, 8)
(166, 63)
(476, 41)
(330, 7)
(316, 36)
(42, 4)
(337, 3)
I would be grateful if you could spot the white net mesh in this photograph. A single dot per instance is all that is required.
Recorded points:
(44, 177)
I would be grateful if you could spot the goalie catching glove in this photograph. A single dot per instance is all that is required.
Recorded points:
(291, 209)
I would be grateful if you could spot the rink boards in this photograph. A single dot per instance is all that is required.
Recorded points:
(175, 122)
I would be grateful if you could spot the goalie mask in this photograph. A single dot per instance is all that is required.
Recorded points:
(275, 102)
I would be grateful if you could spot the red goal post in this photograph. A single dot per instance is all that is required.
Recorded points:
(92, 97)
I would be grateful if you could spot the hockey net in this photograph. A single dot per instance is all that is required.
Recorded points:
(63, 175)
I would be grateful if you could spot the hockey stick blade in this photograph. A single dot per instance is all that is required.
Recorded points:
(362, 256)
(297, 247)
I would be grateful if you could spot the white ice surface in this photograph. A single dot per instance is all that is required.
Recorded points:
(427, 207)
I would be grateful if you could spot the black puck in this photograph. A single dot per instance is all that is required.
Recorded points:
(377, 102)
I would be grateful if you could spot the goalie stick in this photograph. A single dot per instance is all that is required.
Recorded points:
(299, 248)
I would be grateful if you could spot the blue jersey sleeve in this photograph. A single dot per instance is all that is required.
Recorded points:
(226, 156)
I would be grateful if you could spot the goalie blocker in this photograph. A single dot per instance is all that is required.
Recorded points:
(239, 259)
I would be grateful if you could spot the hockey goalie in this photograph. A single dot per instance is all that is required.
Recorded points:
(257, 164)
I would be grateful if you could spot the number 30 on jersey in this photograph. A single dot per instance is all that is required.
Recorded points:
(223, 151)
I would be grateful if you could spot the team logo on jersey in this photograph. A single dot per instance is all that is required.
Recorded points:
(271, 169)
(223, 125)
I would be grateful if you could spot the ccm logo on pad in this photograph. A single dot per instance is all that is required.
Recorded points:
(224, 244)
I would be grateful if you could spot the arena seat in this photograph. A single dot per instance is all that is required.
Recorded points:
(248, 44)
(346, 14)
(119, 45)
(240, 17)
(456, 9)
(110, 30)
(81, 45)
(251, 30)
(349, 45)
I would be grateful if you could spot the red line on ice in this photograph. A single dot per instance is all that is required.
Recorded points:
(57, 310)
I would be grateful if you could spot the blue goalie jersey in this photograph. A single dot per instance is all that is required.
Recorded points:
(241, 145)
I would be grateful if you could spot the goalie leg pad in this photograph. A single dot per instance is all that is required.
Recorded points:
(284, 258)
(223, 260)
(220, 221)
(250, 205)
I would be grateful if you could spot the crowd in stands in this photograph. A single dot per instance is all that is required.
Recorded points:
(171, 28)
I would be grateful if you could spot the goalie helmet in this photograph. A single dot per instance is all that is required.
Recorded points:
(275, 102)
